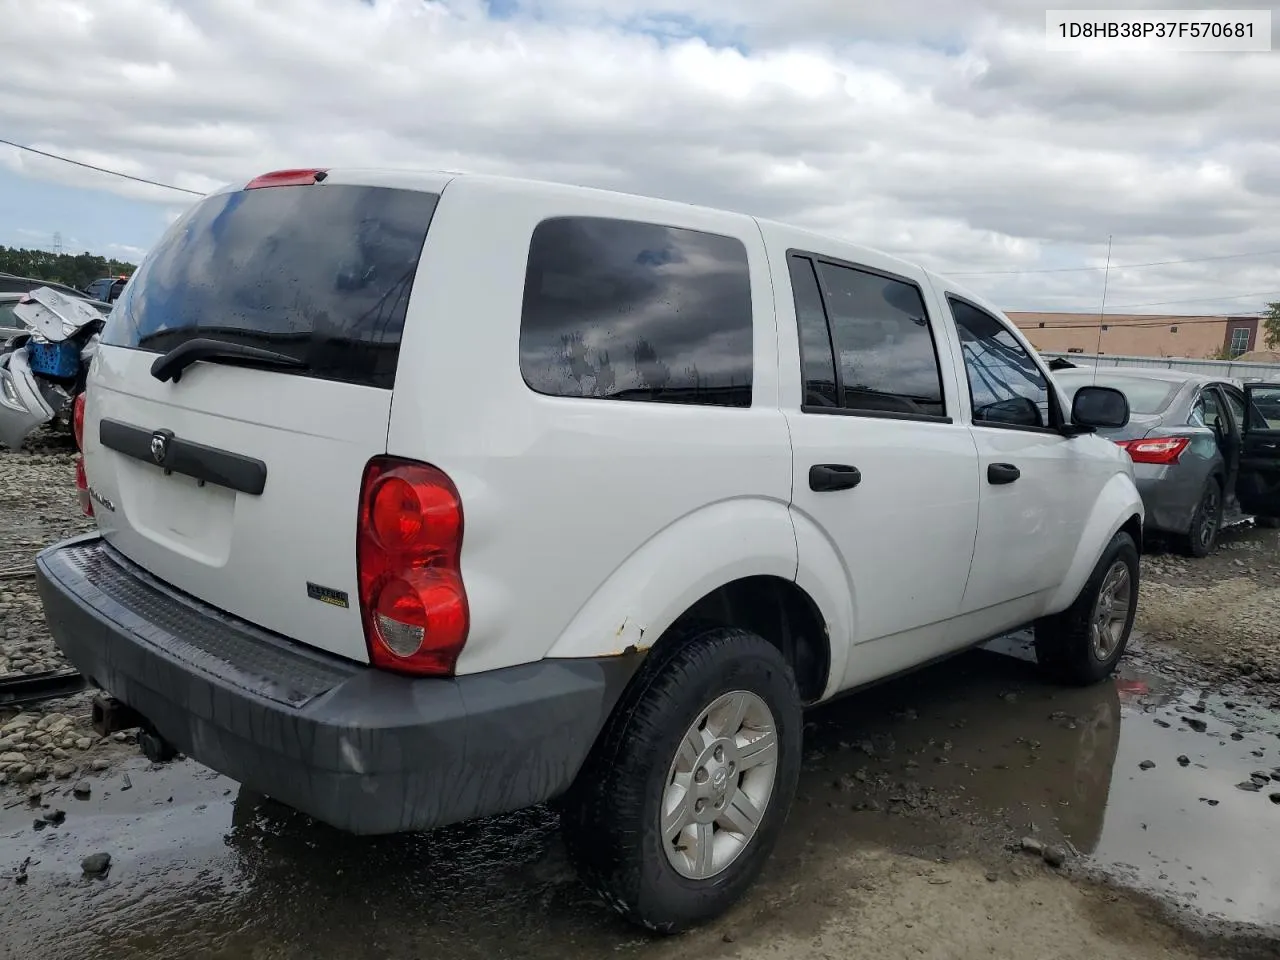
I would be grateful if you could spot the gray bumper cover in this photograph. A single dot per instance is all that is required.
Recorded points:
(363, 750)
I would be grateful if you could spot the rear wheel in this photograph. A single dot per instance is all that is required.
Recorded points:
(678, 808)
(1205, 522)
(1083, 644)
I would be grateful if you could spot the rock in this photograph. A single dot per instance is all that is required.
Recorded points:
(1031, 845)
(84, 743)
(64, 771)
(1274, 797)
(1262, 776)
(728, 938)
(1184, 761)
(24, 774)
(1147, 765)
(1249, 786)
(21, 722)
(96, 865)
(82, 790)
(992, 876)
(1054, 856)
(12, 757)
(55, 817)
(121, 736)
(57, 753)
(1212, 803)
(1237, 735)
(1161, 723)
(1196, 724)
(101, 765)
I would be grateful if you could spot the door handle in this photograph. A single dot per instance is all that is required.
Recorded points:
(824, 477)
(1002, 473)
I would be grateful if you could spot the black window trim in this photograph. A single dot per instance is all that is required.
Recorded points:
(815, 258)
(1056, 415)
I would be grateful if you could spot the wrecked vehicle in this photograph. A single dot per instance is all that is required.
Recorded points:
(43, 367)
(426, 497)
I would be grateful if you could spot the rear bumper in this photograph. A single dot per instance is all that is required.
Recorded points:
(360, 749)
(1168, 497)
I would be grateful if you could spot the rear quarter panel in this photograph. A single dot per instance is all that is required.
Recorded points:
(586, 521)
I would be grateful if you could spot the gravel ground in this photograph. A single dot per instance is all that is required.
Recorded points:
(38, 506)
(1222, 610)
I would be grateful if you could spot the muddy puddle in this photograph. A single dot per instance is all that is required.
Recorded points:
(958, 761)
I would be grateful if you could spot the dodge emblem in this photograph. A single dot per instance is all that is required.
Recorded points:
(159, 447)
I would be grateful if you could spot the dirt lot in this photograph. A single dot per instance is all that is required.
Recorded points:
(967, 811)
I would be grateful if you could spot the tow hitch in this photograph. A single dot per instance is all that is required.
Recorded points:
(111, 716)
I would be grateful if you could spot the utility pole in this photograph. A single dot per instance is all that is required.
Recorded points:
(57, 244)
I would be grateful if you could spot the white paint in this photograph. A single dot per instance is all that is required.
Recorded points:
(592, 525)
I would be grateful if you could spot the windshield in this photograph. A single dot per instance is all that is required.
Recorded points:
(1146, 396)
(321, 274)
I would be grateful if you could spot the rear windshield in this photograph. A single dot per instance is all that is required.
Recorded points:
(1145, 396)
(320, 273)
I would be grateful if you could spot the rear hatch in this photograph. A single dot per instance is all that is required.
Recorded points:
(237, 481)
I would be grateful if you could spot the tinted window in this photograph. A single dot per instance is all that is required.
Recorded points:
(1006, 386)
(7, 319)
(621, 310)
(1145, 396)
(816, 360)
(321, 273)
(1206, 411)
(884, 348)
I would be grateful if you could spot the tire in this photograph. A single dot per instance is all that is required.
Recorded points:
(1065, 643)
(611, 818)
(1206, 522)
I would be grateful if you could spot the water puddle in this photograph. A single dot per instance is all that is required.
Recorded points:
(957, 760)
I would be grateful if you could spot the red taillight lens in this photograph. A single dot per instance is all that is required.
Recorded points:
(82, 481)
(408, 550)
(82, 489)
(286, 178)
(1159, 450)
(77, 419)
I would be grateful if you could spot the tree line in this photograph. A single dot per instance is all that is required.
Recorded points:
(73, 269)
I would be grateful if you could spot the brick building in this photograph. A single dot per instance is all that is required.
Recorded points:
(1141, 335)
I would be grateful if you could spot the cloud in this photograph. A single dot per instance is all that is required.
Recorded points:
(940, 130)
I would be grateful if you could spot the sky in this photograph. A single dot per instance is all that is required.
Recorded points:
(942, 131)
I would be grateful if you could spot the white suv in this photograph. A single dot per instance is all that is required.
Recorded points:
(712, 469)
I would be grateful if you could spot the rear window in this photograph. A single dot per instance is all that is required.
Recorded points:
(319, 273)
(623, 310)
(1145, 396)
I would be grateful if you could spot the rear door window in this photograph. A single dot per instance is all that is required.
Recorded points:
(319, 273)
(866, 344)
(624, 310)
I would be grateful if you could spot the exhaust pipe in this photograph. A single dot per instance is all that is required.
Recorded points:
(111, 716)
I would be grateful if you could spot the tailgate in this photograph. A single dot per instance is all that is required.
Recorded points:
(238, 482)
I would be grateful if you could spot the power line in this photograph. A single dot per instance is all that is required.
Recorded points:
(1117, 266)
(1233, 296)
(90, 166)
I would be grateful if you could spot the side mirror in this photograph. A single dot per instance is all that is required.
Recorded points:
(1103, 408)
(1016, 411)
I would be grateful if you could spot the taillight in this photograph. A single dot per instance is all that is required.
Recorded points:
(408, 552)
(77, 419)
(1158, 450)
(286, 178)
(82, 481)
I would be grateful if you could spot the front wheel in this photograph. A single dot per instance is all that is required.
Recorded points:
(678, 808)
(1083, 644)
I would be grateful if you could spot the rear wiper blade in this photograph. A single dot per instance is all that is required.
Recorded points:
(170, 365)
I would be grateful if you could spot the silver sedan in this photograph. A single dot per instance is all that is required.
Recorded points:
(1186, 436)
